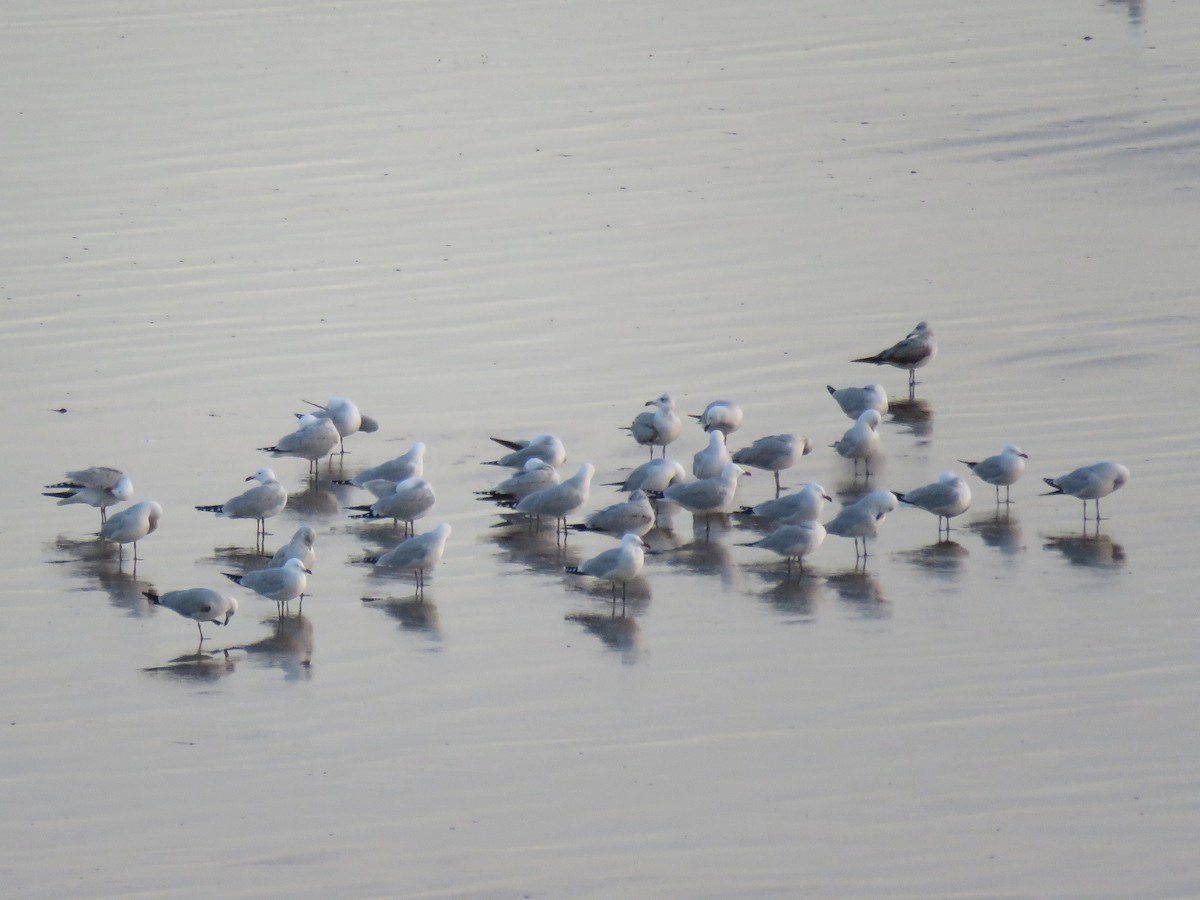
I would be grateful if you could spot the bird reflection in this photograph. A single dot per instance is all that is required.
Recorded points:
(916, 415)
(701, 557)
(636, 597)
(538, 551)
(1001, 532)
(861, 589)
(1137, 9)
(794, 595)
(619, 633)
(289, 647)
(943, 558)
(95, 561)
(413, 614)
(200, 667)
(315, 502)
(1095, 551)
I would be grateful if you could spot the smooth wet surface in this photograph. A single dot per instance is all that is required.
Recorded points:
(504, 219)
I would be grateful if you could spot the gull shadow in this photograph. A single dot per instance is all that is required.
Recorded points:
(1095, 551)
(620, 634)
(413, 613)
(702, 558)
(636, 598)
(315, 502)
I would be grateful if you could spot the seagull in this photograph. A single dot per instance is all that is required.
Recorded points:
(545, 447)
(794, 541)
(653, 477)
(854, 401)
(862, 518)
(559, 500)
(917, 349)
(198, 604)
(658, 428)
(1003, 469)
(98, 486)
(774, 453)
(720, 415)
(1090, 483)
(622, 564)
(635, 515)
(804, 505)
(281, 584)
(861, 440)
(536, 474)
(410, 500)
(132, 524)
(711, 460)
(708, 495)
(261, 502)
(299, 547)
(417, 554)
(346, 418)
(410, 464)
(313, 440)
(946, 498)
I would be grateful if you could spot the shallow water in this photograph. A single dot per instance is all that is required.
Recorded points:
(500, 219)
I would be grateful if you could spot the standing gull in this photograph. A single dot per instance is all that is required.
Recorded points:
(854, 401)
(261, 502)
(282, 584)
(197, 604)
(862, 518)
(635, 515)
(99, 486)
(313, 439)
(346, 418)
(658, 428)
(559, 500)
(861, 440)
(132, 524)
(536, 474)
(1003, 469)
(720, 415)
(652, 477)
(708, 496)
(409, 500)
(946, 498)
(712, 459)
(410, 464)
(794, 541)
(804, 505)
(619, 564)
(417, 554)
(1089, 483)
(545, 447)
(917, 349)
(774, 453)
(300, 547)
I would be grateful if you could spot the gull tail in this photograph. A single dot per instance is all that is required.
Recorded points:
(366, 515)
(214, 508)
(877, 359)
(968, 464)
(62, 495)
(572, 570)
(342, 481)
(64, 484)
(1057, 490)
(236, 579)
(269, 449)
(511, 445)
(832, 390)
(747, 510)
(152, 596)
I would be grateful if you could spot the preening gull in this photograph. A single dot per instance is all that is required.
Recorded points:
(98, 486)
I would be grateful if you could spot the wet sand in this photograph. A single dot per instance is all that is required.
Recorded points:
(484, 220)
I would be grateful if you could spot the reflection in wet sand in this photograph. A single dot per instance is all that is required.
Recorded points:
(862, 590)
(1097, 551)
(618, 632)
(701, 557)
(1001, 531)
(198, 667)
(915, 415)
(315, 502)
(96, 561)
(413, 614)
(637, 593)
(945, 558)
(794, 595)
(537, 551)
(289, 647)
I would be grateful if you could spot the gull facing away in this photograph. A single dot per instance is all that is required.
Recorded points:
(261, 502)
(854, 401)
(804, 505)
(281, 584)
(708, 496)
(632, 516)
(313, 440)
(1089, 483)
(418, 554)
(794, 541)
(619, 564)
(653, 477)
(132, 524)
(720, 415)
(545, 447)
(300, 547)
(559, 500)
(916, 350)
(862, 518)
(410, 464)
(861, 440)
(346, 418)
(712, 459)
(1002, 469)
(946, 498)
(774, 453)
(536, 474)
(98, 486)
(198, 604)
(409, 500)
(658, 428)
